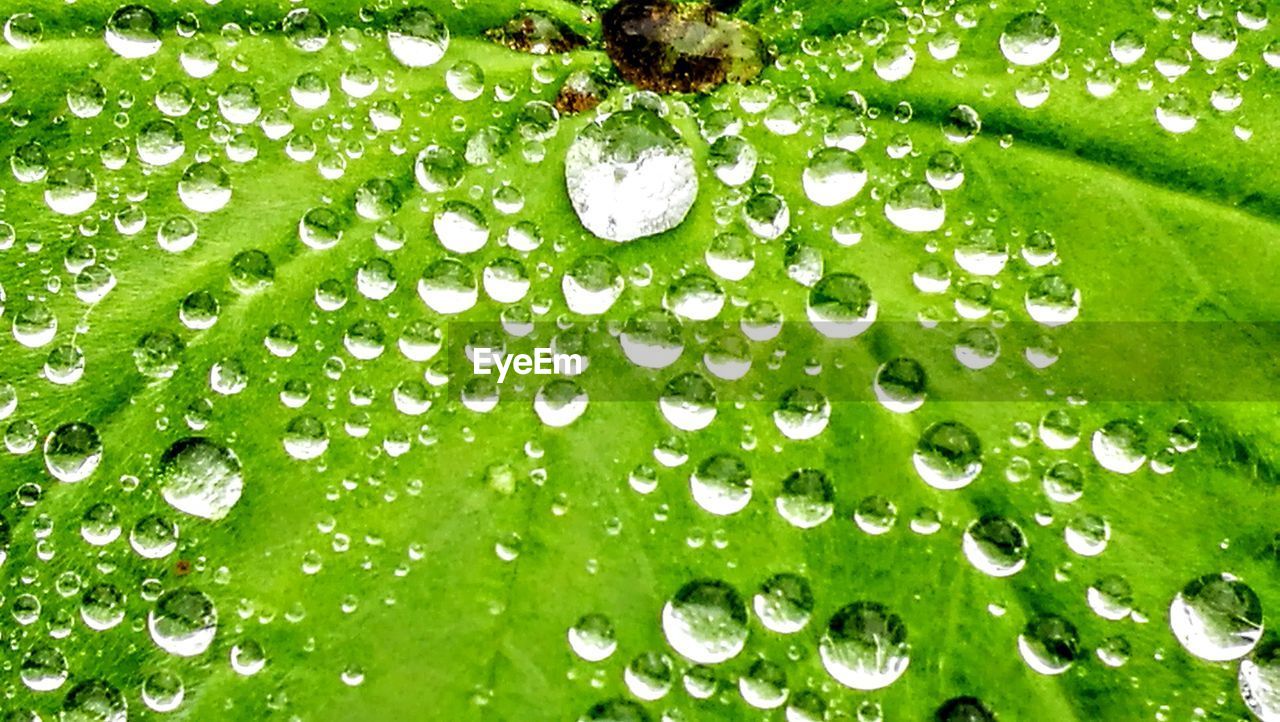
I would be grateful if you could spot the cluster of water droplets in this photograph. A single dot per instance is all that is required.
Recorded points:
(413, 230)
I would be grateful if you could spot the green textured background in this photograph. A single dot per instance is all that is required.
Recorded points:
(1150, 226)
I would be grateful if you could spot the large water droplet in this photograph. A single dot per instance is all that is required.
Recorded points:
(1259, 681)
(1216, 617)
(183, 622)
(841, 306)
(706, 621)
(1049, 644)
(995, 546)
(133, 31)
(94, 700)
(417, 37)
(948, 455)
(784, 603)
(200, 477)
(865, 646)
(1030, 39)
(721, 484)
(834, 176)
(630, 175)
(72, 452)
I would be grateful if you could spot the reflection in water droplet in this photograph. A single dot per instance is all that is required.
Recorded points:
(94, 700)
(964, 709)
(721, 484)
(593, 638)
(1259, 680)
(1030, 39)
(616, 710)
(706, 621)
(1049, 644)
(948, 455)
(802, 413)
(183, 622)
(200, 477)
(865, 646)
(833, 176)
(1216, 617)
(784, 603)
(840, 306)
(163, 691)
(44, 669)
(630, 175)
(1119, 446)
(915, 207)
(649, 676)
(417, 37)
(72, 452)
(133, 31)
(995, 546)
(764, 685)
(807, 498)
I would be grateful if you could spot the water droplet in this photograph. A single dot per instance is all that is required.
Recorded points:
(1049, 644)
(306, 29)
(649, 676)
(44, 669)
(1111, 597)
(163, 691)
(200, 477)
(807, 498)
(764, 685)
(1030, 39)
(840, 306)
(630, 175)
(72, 452)
(784, 603)
(593, 638)
(721, 484)
(915, 207)
(183, 622)
(706, 621)
(1119, 446)
(1259, 681)
(995, 546)
(948, 455)
(615, 710)
(803, 413)
(94, 700)
(964, 709)
(133, 31)
(865, 646)
(833, 176)
(1216, 617)
(417, 37)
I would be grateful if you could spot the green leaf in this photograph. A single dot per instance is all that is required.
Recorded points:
(424, 560)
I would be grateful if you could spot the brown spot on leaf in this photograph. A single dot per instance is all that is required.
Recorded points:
(667, 47)
(583, 90)
(182, 567)
(536, 33)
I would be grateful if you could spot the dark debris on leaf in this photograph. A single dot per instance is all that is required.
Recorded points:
(583, 90)
(666, 47)
(536, 33)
